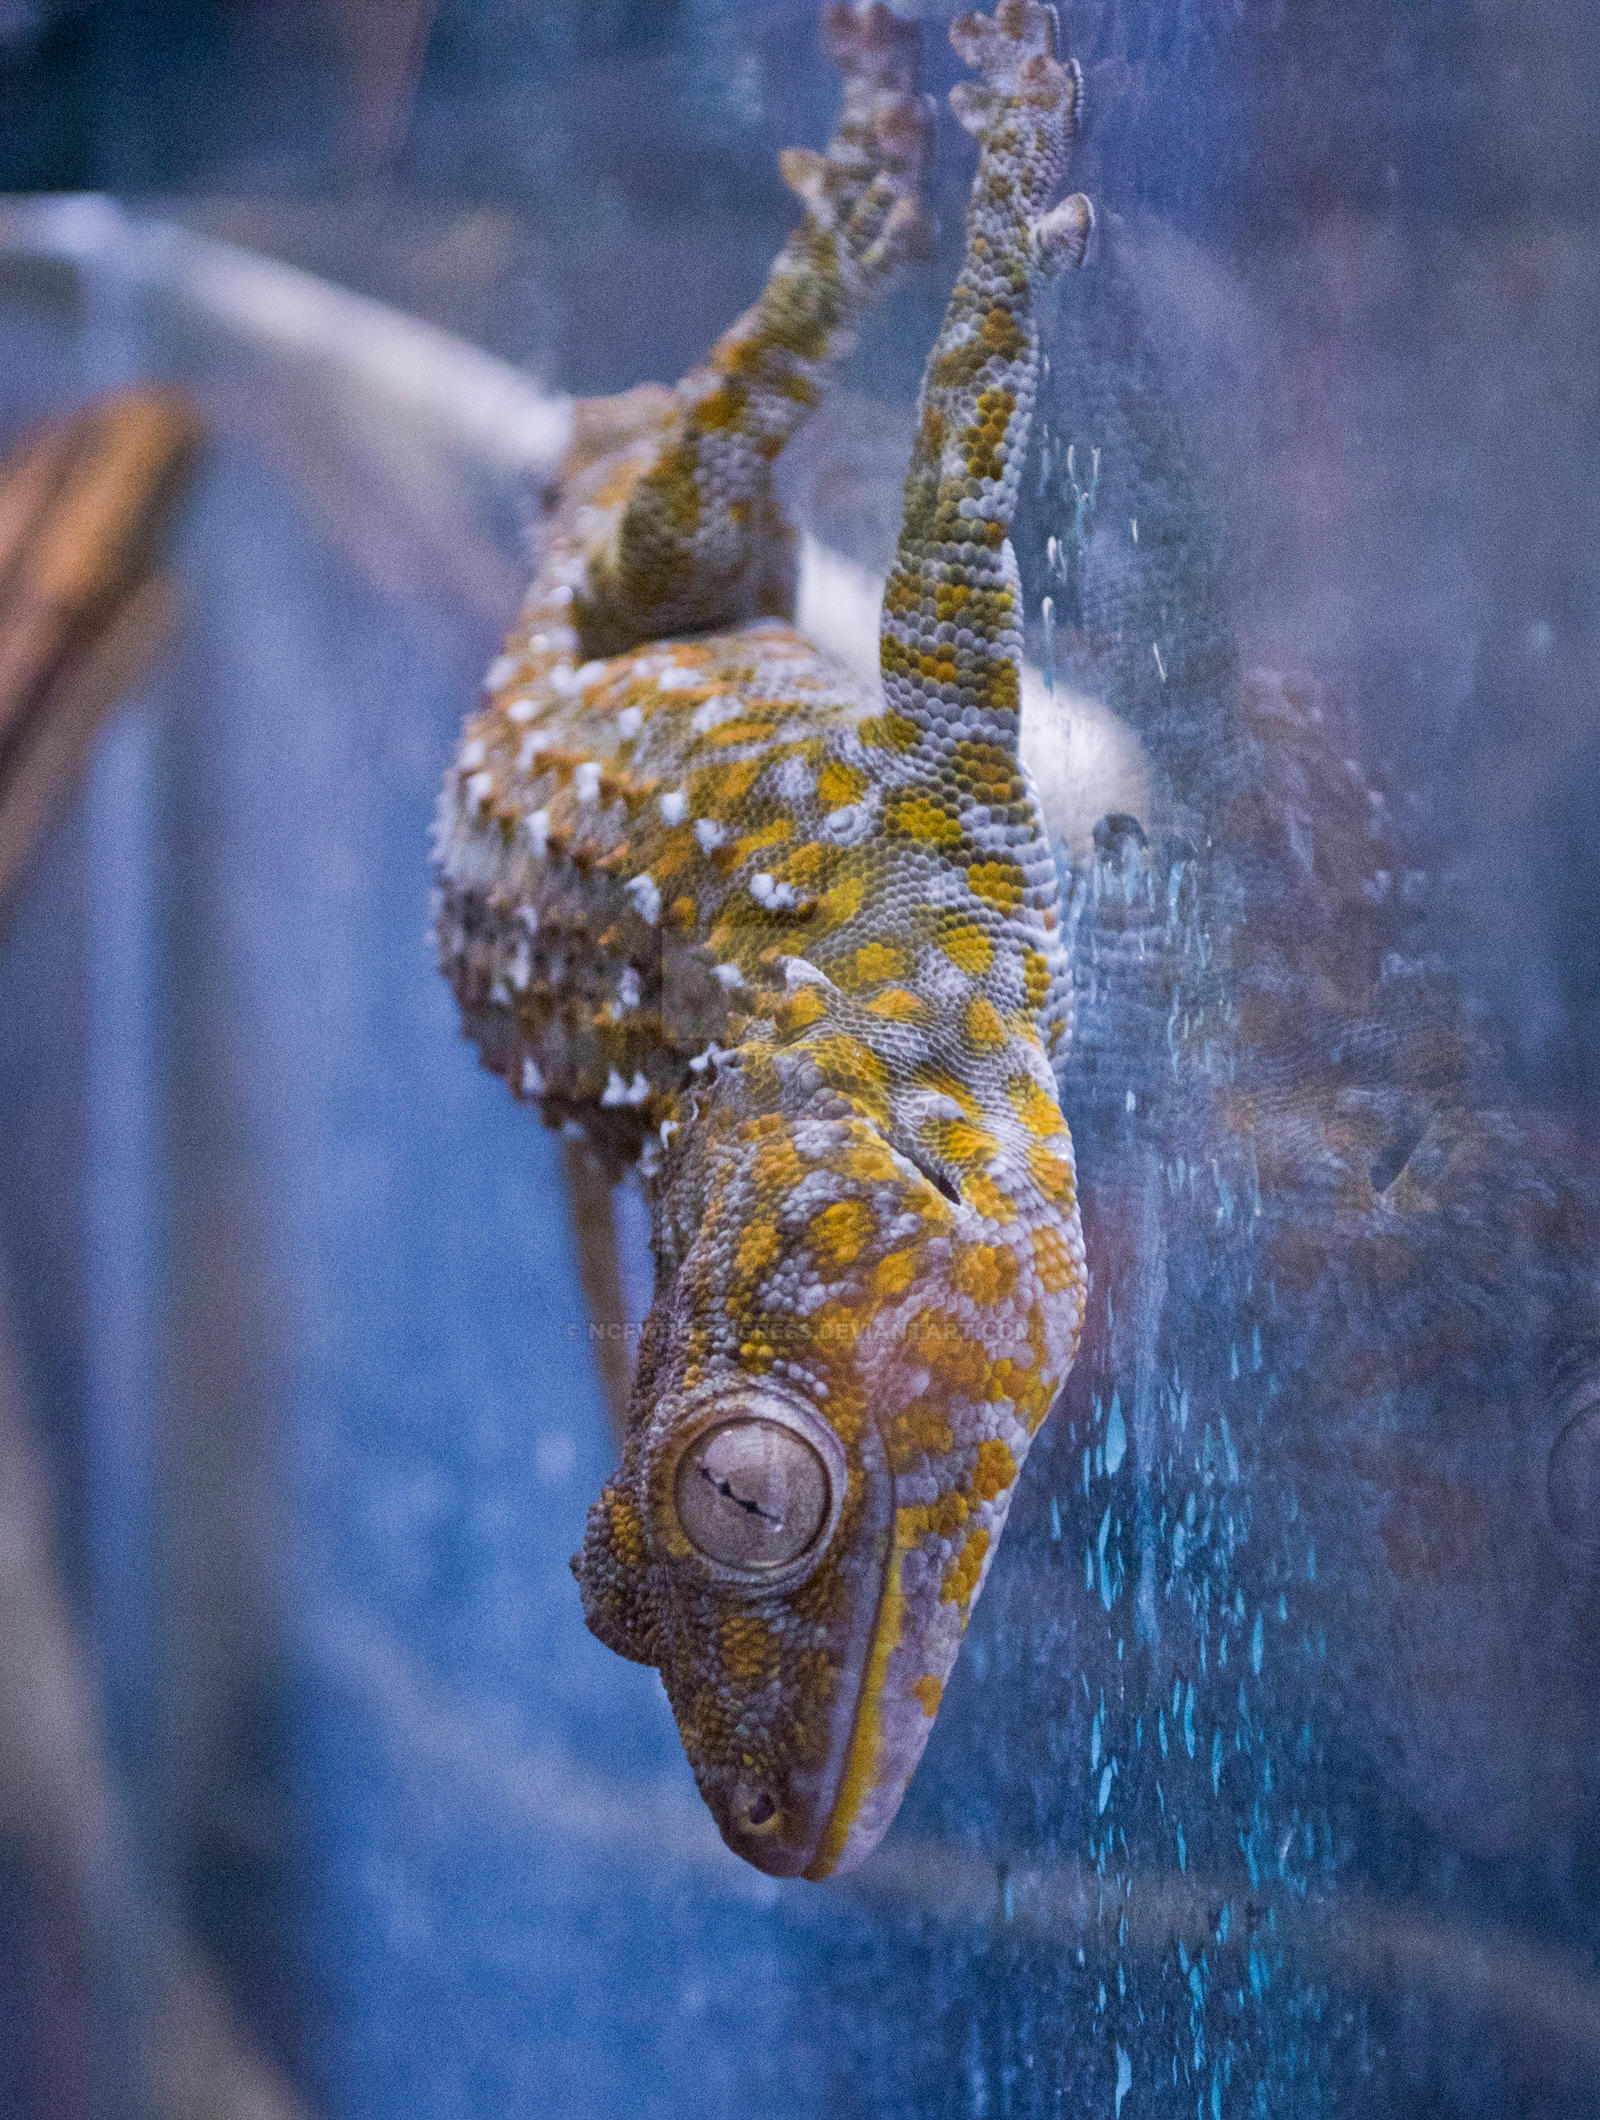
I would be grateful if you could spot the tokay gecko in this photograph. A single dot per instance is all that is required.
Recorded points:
(795, 947)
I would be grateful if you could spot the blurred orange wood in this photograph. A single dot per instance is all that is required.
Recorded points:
(84, 507)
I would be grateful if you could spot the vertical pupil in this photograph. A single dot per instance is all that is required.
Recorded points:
(751, 1493)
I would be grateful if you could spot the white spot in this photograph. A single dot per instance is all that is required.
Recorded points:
(563, 595)
(1161, 668)
(629, 721)
(563, 679)
(628, 987)
(479, 788)
(729, 975)
(529, 916)
(539, 643)
(474, 753)
(500, 994)
(673, 805)
(522, 710)
(500, 672)
(709, 833)
(792, 782)
(797, 972)
(591, 672)
(538, 829)
(776, 897)
(668, 1128)
(586, 780)
(638, 1088)
(521, 967)
(615, 1091)
(711, 711)
(532, 1080)
(675, 678)
(646, 897)
(529, 750)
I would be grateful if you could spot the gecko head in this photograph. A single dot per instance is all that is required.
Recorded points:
(739, 1549)
(803, 1518)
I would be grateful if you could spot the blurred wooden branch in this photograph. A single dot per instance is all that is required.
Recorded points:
(84, 505)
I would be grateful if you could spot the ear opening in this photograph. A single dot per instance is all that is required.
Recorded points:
(611, 1576)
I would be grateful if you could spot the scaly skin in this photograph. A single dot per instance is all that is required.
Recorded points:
(798, 949)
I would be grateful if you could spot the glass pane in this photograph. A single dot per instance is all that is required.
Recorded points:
(1266, 1780)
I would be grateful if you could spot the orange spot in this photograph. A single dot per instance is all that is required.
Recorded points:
(961, 1577)
(1035, 1107)
(995, 1470)
(985, 1031)
(1052, 1174)
(839, 785)
(944, 1084)
(954, 1361)
(854, 1068)
(920, 1432)
(913, 816)
(627, 1533)
(994, 1205)
(840, 1231)
(723, 792)
(877, 960)
(759, 1246)
(800, 1011)
(941, 1519)
(1053, 1262)
(807, 864)
(985, 1272)
(897, 1005)
(894, 1274)
(888, 732)
(842, 902)
(958, 1141)
(749, 1648)
(967, 947)
(770, 835)
(927, 1693)
(748, 731)
(1001, 883)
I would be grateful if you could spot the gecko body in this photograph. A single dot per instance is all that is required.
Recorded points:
(796, 946)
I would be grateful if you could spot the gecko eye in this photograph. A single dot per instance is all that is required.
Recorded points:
(751, 1494)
